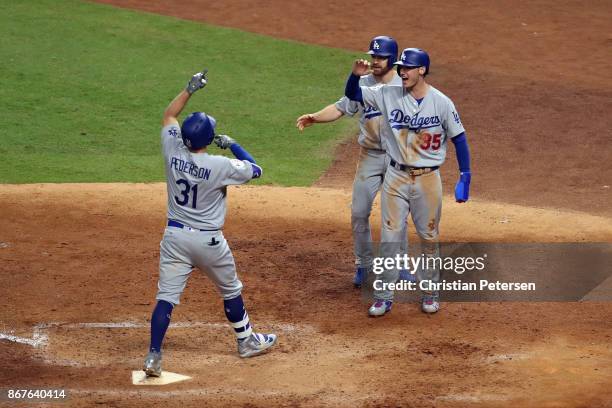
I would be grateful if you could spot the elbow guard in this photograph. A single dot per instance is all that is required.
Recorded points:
(257, 171)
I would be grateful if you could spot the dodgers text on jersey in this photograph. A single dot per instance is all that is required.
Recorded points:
(400, 120)
(370, 112)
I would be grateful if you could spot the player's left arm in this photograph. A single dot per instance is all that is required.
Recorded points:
(462, 188)
(239, 152)
(456, 131)
(173, 110)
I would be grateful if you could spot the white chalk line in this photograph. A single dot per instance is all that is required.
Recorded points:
(508, 357)
(38, 339)
(472, 397)
(40, 336)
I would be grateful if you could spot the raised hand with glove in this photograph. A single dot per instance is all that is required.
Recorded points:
(224, 141)
(197, 81)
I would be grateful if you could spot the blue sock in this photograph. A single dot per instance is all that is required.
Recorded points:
(159, 324)
(238, 317)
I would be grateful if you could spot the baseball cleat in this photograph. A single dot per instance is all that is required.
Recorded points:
(430, 304)
(152, 364)
(360, 276)
(380, 307)
(255, 344)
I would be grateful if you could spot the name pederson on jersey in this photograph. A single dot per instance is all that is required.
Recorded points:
(416, 134)
(370, 119)
(196, 182)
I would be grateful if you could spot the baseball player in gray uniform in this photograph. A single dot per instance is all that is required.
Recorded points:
(197, 186)
(372, 158)
(420, 121)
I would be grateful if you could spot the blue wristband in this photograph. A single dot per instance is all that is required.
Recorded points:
(462, 188)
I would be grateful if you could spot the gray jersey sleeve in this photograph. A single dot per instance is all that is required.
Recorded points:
(373, 96)
(237, 172)
(170, 138)
(451, 121)
(348, 107)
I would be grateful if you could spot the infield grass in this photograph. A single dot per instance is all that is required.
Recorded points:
(84, 86)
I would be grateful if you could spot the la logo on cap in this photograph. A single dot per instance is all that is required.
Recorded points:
(376, 46)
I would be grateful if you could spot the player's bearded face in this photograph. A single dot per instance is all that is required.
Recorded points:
(380, 65)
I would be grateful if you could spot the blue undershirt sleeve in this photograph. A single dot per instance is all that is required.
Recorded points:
(352, 89)
(463, 152)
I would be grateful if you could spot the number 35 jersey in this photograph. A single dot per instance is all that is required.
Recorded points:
(196, 182)
(417, 133)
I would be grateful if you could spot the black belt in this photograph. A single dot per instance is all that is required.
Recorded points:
(413, 171)
(172, 223)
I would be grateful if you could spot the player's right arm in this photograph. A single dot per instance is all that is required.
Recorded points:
(173, 110)
(362, 94)
(329, 113)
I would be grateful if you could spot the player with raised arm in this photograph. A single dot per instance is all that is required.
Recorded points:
(421, 120)
(373, 161)
(196, 184)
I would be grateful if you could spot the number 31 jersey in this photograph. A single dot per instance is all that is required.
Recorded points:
(417, 133)
(196, 182)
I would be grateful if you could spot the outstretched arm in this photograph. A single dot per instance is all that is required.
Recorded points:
(329, 113)
(198, 81)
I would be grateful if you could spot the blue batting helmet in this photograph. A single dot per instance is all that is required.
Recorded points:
(198, 130)
(414, 57)
(384, 46)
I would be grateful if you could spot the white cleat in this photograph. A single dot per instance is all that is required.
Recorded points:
(152, 364)
(380, 307)
(430, 304)
(255, 344)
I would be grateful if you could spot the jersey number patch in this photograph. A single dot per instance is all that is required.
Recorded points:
(431, 141)
(185, 193)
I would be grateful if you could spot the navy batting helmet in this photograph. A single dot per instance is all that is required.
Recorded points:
(198, 130)
(414, 57)
(384, 46)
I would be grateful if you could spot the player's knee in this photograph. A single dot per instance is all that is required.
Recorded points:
(169, 291)
(392, 226)
(360, 210)
(360, 224)
(428, 236)
(231, 290)
(172, 298)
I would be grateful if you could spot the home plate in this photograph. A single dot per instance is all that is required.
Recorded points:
(140, 378)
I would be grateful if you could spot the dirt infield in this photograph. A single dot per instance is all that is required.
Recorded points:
(79, 263)
(83, 260)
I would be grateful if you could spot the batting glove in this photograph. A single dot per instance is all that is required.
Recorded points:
(462, 189)
(224, 141)
(198, 81)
